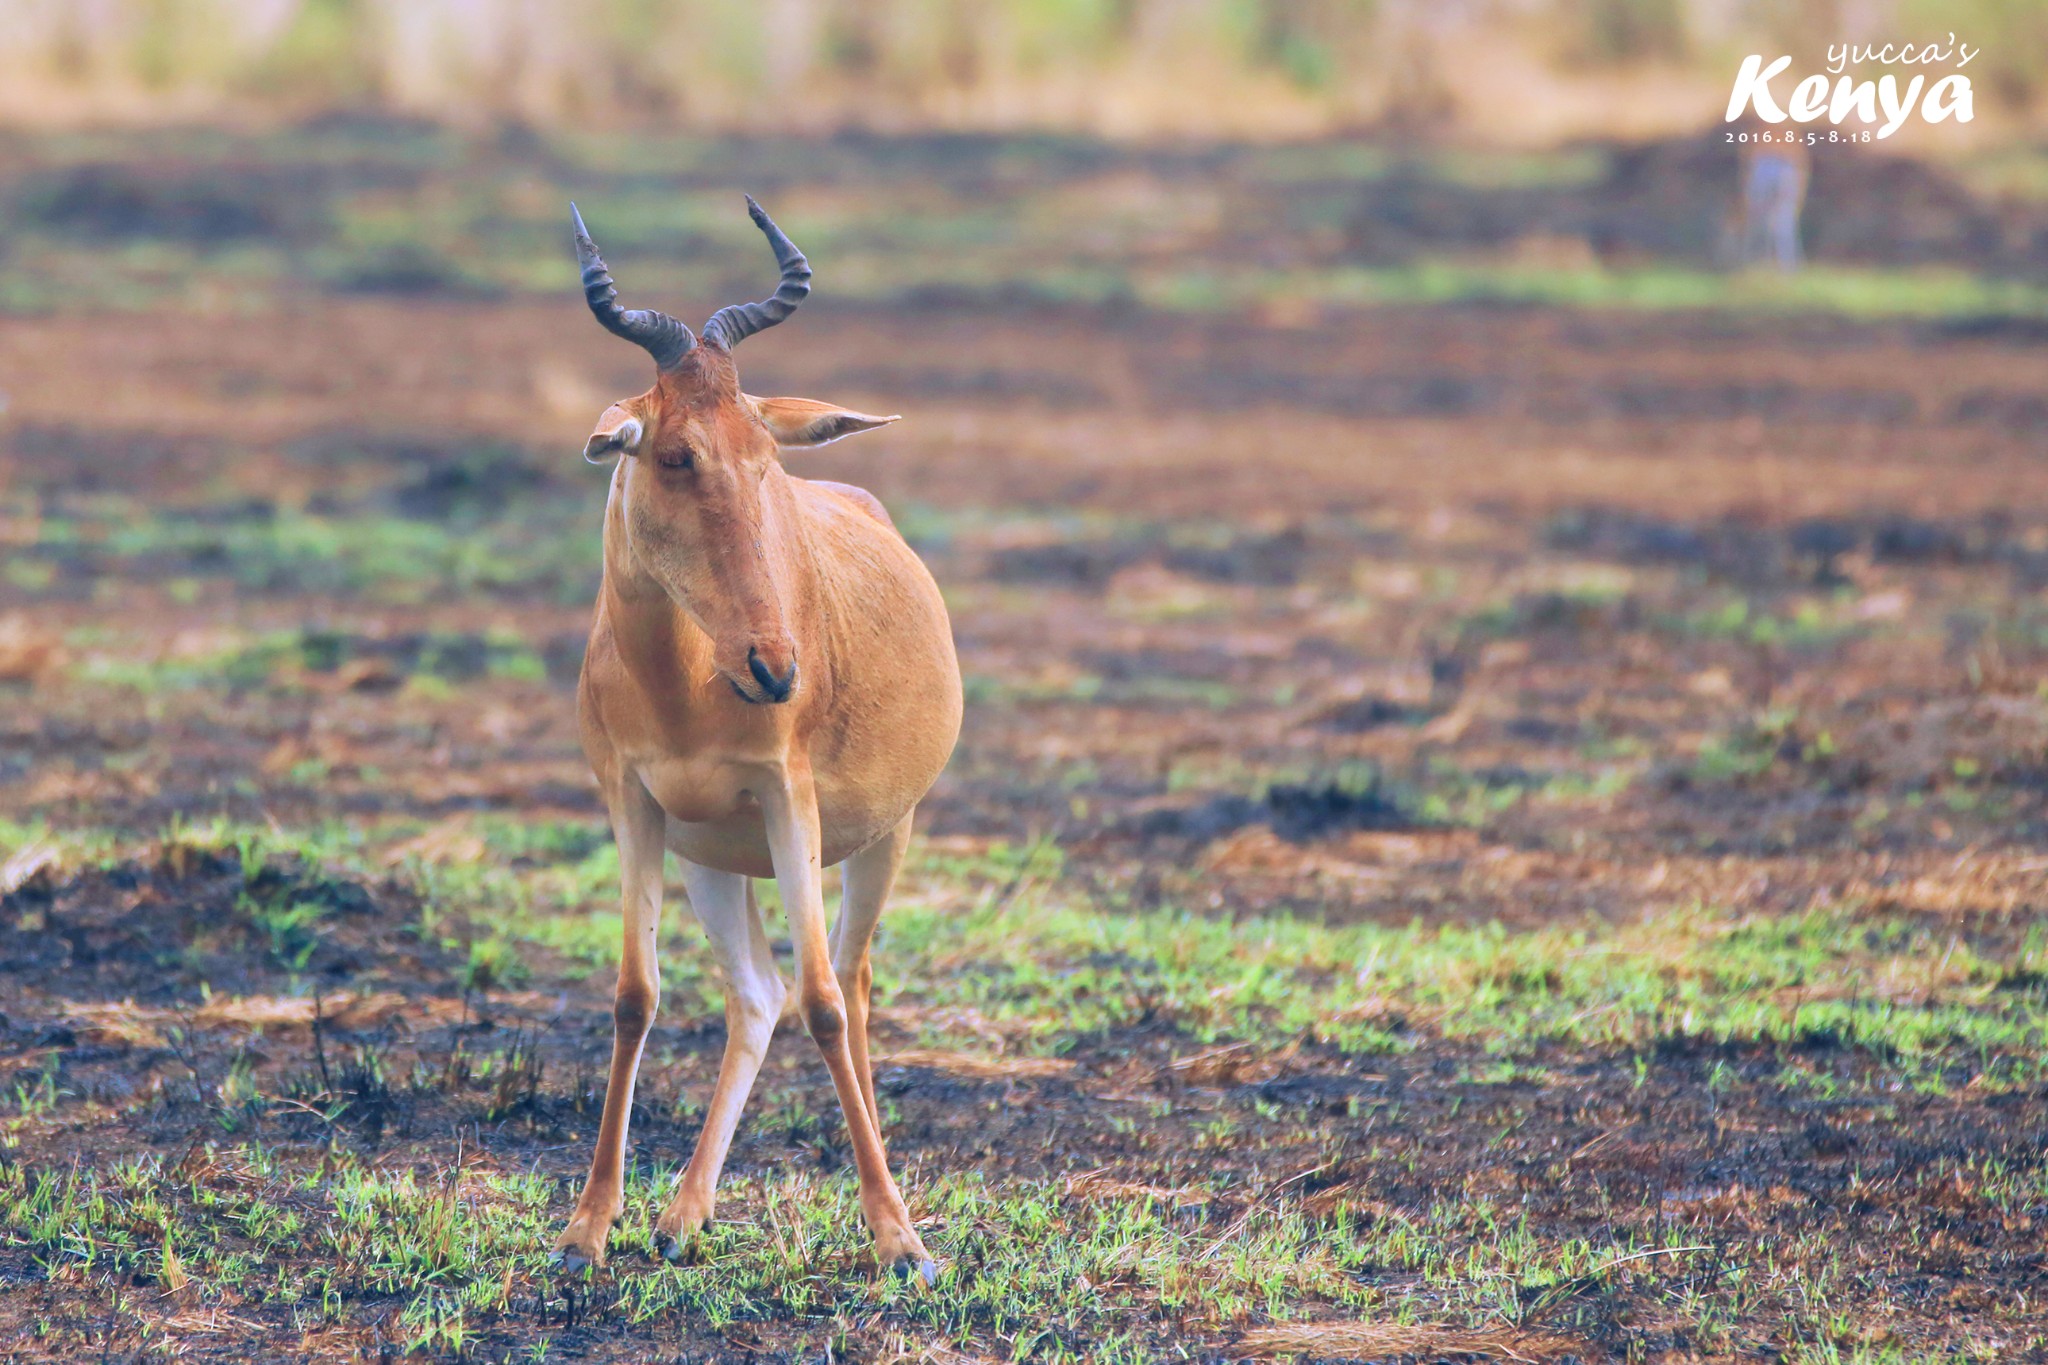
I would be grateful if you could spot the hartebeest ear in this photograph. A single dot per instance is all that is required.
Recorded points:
(618, 433)
(807, 422)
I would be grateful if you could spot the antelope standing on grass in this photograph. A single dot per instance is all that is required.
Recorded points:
(770, 689)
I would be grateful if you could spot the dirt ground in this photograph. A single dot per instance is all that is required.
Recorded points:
(1521, 548)
(1463, 615)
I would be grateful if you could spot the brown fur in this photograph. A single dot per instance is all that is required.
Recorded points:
(716, 559)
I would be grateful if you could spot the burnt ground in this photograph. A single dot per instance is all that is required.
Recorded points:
(1752, 601)
(1912, 1199)
(1464, 616)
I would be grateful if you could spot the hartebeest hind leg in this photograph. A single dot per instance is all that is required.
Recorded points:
(793, 845)
(870, 874)
(637, 825)
(724, 904)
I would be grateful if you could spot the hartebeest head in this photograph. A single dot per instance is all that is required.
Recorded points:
(700, 456)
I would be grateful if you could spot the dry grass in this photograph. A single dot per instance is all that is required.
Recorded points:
(1377, 1340)
(976, 1067)
(1267, 69)
(34, 864)
(129, 1024)
(1102, 1185)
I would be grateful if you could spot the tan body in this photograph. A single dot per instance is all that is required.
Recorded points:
(770, 688)
(655, 709)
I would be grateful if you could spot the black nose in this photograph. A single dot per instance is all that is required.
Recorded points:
(778, 689)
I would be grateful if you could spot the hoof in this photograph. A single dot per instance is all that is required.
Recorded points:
(919, 1268)
(576, 1249)
(668, 1247)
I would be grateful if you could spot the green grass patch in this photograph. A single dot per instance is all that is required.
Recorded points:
(1055, 1270)
(545, 546)
(999, 937)
(1054, 1264)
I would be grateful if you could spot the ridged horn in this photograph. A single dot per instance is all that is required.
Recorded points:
(730, 326)
(664, 338)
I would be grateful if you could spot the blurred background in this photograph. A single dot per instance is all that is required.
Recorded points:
(1327, 418)
(1512, 72)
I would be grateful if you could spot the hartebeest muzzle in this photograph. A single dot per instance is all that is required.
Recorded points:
(774, 674)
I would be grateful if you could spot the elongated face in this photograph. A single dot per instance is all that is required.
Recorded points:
(699, 460)
(699, 486)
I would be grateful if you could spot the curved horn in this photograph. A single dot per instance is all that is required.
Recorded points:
(730, 326)
(659, 334)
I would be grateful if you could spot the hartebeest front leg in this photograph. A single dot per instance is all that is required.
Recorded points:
(637, 826)
(724, 904)
(870, 874)
(793, 845)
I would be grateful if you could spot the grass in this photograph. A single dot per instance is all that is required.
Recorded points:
(1926, 997)
(437, 211)
(1282, 1245)
(1911, 992)
(1856, 293)
(1273, 67)
(544, 547)
(1053, 1268)
(282, 661)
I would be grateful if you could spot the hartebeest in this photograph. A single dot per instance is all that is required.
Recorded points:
(770, 688)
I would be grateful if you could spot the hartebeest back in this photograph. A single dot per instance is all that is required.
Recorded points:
(770, 689)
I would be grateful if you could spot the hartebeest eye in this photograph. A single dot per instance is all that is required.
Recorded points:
(677, 457)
